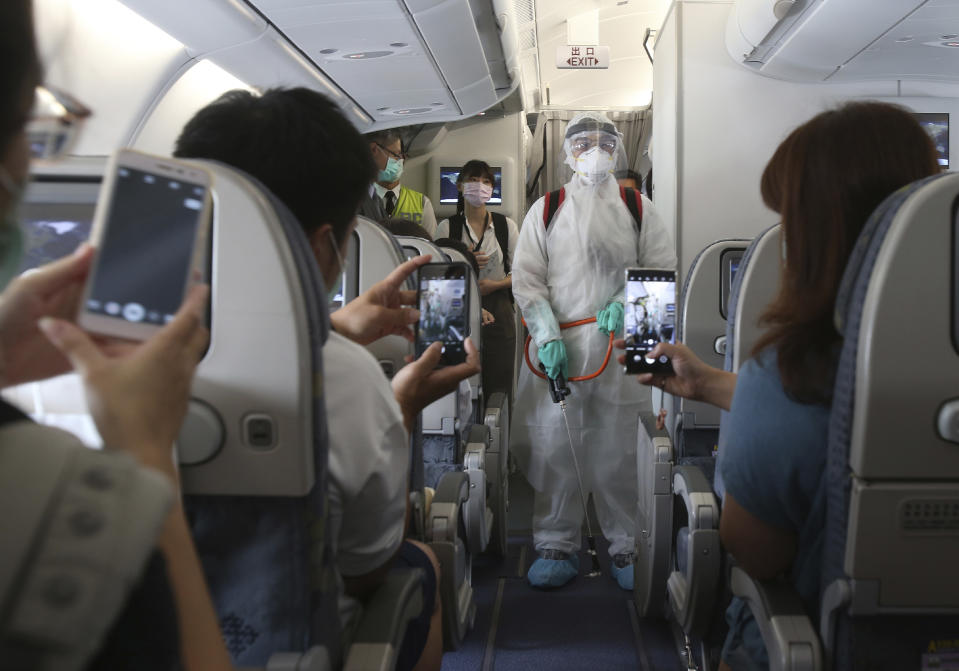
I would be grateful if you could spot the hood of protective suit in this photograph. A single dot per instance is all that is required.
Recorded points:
(604, 153)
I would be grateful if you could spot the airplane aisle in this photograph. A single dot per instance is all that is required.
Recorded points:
(589, 624)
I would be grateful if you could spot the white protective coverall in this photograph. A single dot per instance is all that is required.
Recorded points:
(566, 273)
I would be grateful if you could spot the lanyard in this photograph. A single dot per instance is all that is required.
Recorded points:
(482, 237)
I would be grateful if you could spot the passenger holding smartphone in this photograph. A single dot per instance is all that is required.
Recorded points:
(370, 417)
(825, 180)
(153, 612)
(491, 237)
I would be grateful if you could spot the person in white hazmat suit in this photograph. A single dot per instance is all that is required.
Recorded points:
(572, 270)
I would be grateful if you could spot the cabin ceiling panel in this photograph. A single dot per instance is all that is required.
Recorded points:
(394, 56)
(915, 48)
(850, 40)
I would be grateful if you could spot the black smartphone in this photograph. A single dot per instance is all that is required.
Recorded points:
(444, 301)
(150, 230)
(650, 318)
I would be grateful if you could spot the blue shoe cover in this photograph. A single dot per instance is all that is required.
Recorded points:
(547, 573)
(623, 575)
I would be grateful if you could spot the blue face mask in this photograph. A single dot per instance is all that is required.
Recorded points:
(11, 235)
(392, 171)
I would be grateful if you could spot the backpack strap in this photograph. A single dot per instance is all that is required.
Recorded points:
(634, 203)
(457, 221)
(501, 228)
(553, 200)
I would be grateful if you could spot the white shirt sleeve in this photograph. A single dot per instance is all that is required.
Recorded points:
(512, 239)
(429, 217)
(368, 459)
(442, 230)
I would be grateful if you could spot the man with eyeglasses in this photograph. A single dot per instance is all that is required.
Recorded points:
(569, 264)
(397, 201)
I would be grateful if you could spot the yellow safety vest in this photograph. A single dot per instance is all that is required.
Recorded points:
(409, 206)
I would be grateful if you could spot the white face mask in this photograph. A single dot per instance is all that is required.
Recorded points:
(595, 165)
(476, 193)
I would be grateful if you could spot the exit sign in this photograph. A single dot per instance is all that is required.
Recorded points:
(582, 58)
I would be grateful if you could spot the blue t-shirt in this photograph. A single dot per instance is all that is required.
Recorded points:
(772, 460)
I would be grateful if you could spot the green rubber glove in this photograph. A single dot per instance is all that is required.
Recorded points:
(553, 356)
(610, 318)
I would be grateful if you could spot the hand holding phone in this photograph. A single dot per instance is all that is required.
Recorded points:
(150, 230)
(443, 297)
(650, 318)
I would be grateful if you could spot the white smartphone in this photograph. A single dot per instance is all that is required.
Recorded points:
(150, 229)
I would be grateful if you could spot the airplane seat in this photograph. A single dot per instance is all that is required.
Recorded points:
(889, 594)
(696, 586)
(253, 450)
(702, 327)
(487, 459)
(448, 527)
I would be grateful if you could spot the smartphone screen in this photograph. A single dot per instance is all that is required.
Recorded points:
(650, 318)
(146, 250)
(444, 310)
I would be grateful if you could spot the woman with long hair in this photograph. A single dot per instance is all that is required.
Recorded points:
(491, 238)
(824, 180)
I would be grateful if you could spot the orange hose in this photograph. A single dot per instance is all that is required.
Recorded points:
(575, 378)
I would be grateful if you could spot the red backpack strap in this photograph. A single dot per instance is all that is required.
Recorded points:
(553, 200)
(634, 203)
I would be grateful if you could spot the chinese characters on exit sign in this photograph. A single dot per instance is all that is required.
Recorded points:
(582, 58)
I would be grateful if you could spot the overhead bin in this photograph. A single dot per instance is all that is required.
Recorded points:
(386, 62)
(837, 40)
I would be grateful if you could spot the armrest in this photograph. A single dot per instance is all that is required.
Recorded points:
(452, 491)
(316, 658)
(386, 617)
(477, 517)
(692, 594)
(649, 423)
(791, 640)
(697, 494)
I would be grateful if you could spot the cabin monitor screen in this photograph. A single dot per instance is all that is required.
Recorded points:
(53, 230)
(729, 266)
(449, 193)
(937, 125)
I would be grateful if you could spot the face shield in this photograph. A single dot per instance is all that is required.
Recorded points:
(593, 148)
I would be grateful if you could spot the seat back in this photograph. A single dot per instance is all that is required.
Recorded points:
(253, 450)
(892, 530)
(702, 327)
(755, 285)
(376, 254)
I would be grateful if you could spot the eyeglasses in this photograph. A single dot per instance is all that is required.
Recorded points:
(401, 156)
(585, 143)
(54, 124)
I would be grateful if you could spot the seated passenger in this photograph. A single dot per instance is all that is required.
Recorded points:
(369, 424)
(137, 394)
(825, 179)
(491, 238)
(399, 202)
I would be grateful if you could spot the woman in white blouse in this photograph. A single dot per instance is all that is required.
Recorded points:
(491, 237)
